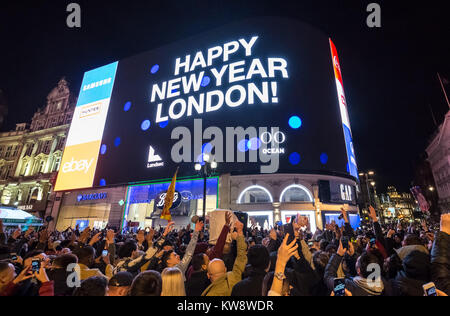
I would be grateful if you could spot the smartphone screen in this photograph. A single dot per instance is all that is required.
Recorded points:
(104, 253)
(35, 265)
(339, 287)
(430, 289)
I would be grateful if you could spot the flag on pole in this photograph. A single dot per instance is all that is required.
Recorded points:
(420, 198)
(165, 214)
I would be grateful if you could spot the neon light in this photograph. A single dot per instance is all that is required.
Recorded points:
(254, 187)
(297, 186)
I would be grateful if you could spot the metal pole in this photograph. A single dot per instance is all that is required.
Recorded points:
(368, 191)
(204, 195)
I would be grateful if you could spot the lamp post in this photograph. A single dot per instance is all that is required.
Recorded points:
(206, 170)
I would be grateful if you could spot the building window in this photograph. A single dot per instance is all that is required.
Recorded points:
(296, 193)
(5, 171)
(8, 151)
(16, 150)
(255, 194)
(29, 149)
(56, 164)
(8, 171)
(24, 167)
(32, 198)
(61, 142)
(41, 166)
(47, 147)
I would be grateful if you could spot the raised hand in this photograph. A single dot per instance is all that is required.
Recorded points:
(228, 216)
(95, 239)
(110, 234)
(239, 227)
(199, 226)
(29, 231)
(84, 235)
(168, 228)
(24, 275)
(43, 236)
(16, 233)
(344, 214)
(273, 234)
(41, 275)
(341, 250)
(390, 233)
(150, 235)
(286, 251)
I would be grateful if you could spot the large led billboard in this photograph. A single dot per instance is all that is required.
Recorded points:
(257, 96)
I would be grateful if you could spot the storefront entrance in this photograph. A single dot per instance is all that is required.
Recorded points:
(141, 211)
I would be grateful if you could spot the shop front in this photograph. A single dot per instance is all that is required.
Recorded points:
(145, 202)
(13, 218)
(269, 199)
(96, 208)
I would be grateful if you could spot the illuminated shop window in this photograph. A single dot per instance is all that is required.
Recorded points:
(141, 210)
(255, 194)
(296, 193)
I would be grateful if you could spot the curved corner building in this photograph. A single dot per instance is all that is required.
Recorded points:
(263, 98)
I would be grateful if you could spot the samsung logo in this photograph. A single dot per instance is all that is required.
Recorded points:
(90, 197)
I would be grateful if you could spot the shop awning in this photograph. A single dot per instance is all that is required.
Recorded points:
(15, 217)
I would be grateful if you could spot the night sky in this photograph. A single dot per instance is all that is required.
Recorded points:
(389, 73)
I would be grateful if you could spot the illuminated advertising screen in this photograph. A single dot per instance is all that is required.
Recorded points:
(257, 96)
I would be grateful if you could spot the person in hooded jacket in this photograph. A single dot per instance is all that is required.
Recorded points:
(415, 273)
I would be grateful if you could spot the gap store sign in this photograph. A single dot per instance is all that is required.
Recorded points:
(247, 94)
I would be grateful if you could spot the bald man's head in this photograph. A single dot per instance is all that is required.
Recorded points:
(216, 269)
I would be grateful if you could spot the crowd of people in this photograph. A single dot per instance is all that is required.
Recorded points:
(287, 260)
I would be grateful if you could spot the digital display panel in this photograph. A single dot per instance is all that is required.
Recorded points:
(257, 96)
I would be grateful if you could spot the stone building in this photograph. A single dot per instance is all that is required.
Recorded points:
(439, 157)
(31, 154)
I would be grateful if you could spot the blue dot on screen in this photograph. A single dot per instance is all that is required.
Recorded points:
(324, 158)
(154, 69)
(163, 124)
(294, 158)
(205, 81)
(102, 182)
(243, 145)
(207, 148)
(127, 106)
(295, 122)
(254, 143)
(103, 149)
(117, 142)
(145, 125)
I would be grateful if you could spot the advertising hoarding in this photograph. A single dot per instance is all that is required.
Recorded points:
(257, 96)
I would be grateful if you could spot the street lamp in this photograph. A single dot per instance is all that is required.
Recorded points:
(205, 173)
(431, 188)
